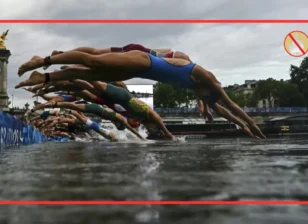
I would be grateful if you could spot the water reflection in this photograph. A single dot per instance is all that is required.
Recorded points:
(220, 169)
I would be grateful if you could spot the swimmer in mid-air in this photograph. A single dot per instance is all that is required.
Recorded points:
(80, 118)
(105, 113)
(136, 108)
(111, 67)
(161, 53)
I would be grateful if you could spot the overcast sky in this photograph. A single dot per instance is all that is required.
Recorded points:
(233, 52)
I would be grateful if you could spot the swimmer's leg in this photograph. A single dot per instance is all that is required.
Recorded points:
(83, 73)
(88, 50)
(181, 55)
(133, 61)
(104, 132)
(66, 74)
(72, 106)
(49, 99)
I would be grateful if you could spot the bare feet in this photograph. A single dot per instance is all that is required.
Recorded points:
(34, 79)
(34, 63)
(55, 52)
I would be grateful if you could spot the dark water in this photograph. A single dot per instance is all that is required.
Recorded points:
(224, 169)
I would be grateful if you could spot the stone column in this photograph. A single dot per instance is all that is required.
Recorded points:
(4, 60)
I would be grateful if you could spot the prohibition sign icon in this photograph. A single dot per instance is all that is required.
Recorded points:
(296, 43)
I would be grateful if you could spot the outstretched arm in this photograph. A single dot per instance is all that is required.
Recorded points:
(230, 117)
(95, 126)
(69, 87)
(56, 89)
(204, 109)
(159, 121)
(237, 110)
(121, 119)
(73, 106)
(86, 95)
(84, 85)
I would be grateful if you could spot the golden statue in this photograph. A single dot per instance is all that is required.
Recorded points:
(2, 40)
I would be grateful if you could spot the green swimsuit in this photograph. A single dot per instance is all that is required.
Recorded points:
(100, 111)
(119, 95)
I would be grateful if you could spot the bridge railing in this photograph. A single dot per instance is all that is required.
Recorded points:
(185, 110)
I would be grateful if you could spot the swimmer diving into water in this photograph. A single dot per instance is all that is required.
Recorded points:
(111, 67)
(136, 108)
(105, 113)
(161, 53)
(81, 118)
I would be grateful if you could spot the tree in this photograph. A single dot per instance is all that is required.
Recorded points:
(164, 95)
(299, 76)
(184, 97)
(266, 89)
(240, 98)
(288, 95)
(284, 94)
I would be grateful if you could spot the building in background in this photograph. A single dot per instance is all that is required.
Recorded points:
(248, 88)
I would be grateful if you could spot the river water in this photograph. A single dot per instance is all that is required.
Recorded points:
(209, 169)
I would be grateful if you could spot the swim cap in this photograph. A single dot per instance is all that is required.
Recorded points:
(133, 122)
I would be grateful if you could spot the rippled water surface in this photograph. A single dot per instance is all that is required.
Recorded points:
(212, 169)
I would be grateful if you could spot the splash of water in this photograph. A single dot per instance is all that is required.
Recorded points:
(181, 139)
(126, 135)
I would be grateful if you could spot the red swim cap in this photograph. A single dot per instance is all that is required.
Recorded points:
(134, 123)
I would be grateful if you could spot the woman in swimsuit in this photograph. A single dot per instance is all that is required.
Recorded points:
(105, 113)
(111, 67)
(88, 96)
(161, 53)
(80, 118)
(136, 108)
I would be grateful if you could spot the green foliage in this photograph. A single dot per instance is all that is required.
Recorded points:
(283, 93)
(166, 95)
(266, 89)
(278, 93)
(299, 77)
(242, 99)
(289, 96)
